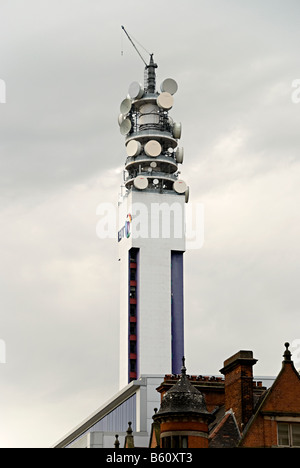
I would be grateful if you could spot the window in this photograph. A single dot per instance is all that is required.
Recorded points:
(175, 441)
(132, 328)
(289, 434)
(132, 310)
(166, 442)
(132, 274)
(132, 347)
(132, 365)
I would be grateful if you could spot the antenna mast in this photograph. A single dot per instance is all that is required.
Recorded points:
(149, 69)
(133, 44)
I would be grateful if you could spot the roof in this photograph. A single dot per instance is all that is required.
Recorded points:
(225, 434)
(183, 397)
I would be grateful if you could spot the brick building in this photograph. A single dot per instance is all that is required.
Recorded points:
(229, 412)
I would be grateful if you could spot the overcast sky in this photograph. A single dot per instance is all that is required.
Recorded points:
(67, 66)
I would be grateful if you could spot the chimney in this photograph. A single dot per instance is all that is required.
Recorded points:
(239, 386)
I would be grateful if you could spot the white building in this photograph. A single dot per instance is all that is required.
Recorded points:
(134, 403)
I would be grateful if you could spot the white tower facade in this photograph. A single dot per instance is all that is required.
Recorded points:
(151, 233)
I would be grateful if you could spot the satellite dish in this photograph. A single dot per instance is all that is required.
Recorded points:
(155, 181)
(179, 155)
(153, 164)
(125, 127)
(133, 148)
(152, 148)
(135, 90)
(121, 118)
(140, 182)
(125, 106)
(165, 101)
(177, 130)
(169, 85)
(179, 186)
(187, 195)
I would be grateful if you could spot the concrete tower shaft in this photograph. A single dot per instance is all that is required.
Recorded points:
(151, 232)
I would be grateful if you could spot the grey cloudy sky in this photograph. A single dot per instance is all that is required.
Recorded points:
(61, 154)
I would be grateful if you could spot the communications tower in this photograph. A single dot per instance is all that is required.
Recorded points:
(151, 235)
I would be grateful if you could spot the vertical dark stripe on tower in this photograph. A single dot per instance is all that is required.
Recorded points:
(133, 261)
(177, 325)
(137, 364)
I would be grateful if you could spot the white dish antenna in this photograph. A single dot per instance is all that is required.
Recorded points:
(153, 164)
(135, 90)
(179, 155)
(177, 130)
(155, 181)
(187, 195)
(133, 148)
(121, 118)
(169, 85)
(125, 127)
(179, 186)
(140, 182)
(125, 106)
(152, 148)
(165, 101)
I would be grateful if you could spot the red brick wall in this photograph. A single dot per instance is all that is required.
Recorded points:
(239, 393)
(197, 442)
(194, 441)
(183, 426)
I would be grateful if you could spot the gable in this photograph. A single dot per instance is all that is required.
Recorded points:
(280, 403)
(284, 395)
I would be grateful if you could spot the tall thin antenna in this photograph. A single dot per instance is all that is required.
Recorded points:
(133, 44)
